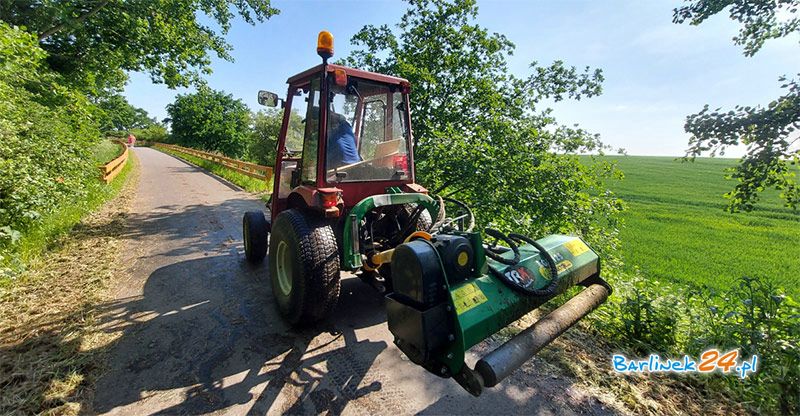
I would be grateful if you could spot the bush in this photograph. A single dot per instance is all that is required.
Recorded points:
(46, 132)
(642, 316)
(152, 133)
(757, 318)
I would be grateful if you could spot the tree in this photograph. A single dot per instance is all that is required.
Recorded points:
(153, 133)
(264, 137)
(479, 135)
(120, 115)
(769, 132)
(93, 42)
(210, 120)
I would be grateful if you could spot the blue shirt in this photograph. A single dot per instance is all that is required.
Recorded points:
(341, 145)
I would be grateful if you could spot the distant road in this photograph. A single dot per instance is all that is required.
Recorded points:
(199, 332)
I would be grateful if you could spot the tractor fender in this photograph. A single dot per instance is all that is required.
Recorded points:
(305, 196)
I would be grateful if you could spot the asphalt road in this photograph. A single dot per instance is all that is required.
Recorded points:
(198, 331)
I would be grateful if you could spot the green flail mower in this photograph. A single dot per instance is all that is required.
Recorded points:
(346, 200)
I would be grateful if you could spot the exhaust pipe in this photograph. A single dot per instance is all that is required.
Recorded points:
(501, 362)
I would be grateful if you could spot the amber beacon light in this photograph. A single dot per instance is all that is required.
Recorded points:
(325, 44)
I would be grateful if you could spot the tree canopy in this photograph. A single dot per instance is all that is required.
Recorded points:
(63, 64)
(761, 20)
(94, 42)
(118, 114)
(479, 133)
(210, 120)
(770, 132)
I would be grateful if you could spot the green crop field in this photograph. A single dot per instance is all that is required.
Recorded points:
(676, 228)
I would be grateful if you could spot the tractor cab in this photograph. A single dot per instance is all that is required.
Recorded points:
(345, 199)
(346, 135)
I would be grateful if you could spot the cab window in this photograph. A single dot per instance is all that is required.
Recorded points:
(367, 133)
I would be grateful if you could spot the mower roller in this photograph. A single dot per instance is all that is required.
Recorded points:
(347, 200)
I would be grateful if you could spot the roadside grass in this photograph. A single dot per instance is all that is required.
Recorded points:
(583, 354)
(46, 233)
(52, 342)
(257, 186)
(676, 228)
(106, 151)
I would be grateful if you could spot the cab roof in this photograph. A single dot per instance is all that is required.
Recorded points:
(350, 72)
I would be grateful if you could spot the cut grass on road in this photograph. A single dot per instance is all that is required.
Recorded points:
(263, 188)
(676, 228)
(51, 345)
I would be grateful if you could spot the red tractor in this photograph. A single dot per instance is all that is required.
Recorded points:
(345, 198)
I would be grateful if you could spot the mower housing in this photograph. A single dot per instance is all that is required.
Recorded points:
(449, 297)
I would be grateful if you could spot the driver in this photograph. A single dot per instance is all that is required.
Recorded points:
(341, 145)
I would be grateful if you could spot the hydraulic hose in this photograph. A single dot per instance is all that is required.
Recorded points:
(512, 239)
(551, 287)
(466, 209)
(439, 218)
(491, 232)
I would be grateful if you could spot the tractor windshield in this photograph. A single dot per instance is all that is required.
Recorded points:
(367, 133)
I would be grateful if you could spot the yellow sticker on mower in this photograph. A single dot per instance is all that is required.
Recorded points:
(467, 297)
(576, 247)
(561, 267)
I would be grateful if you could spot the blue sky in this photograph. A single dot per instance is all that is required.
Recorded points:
(656, 72)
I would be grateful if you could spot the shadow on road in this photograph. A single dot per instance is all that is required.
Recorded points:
(172, 230)
(192, 331)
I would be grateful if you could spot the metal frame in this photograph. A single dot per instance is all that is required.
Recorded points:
(351, 260)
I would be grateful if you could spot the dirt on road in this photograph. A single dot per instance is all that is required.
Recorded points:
(199, 332)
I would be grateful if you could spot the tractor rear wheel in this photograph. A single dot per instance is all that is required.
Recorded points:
(254, 231)
(303, 267)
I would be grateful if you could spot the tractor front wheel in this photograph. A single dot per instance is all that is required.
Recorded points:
(254, 231)
(304, 267)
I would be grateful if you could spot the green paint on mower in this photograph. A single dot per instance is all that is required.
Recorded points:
(448, 296)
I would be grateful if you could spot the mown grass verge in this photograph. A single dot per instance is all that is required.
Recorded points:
(262, 188)
(51, 339)
(48, 229)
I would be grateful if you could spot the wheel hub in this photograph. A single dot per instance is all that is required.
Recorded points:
(284, 268)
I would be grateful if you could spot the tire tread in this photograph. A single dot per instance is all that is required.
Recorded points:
(319, 256)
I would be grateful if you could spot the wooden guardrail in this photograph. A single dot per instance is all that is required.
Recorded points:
(110, 170)
(245, 168)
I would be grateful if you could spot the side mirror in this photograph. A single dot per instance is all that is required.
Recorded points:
(266, 98)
